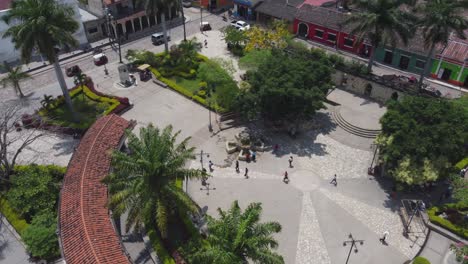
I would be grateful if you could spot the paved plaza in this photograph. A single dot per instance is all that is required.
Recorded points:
(316, 216)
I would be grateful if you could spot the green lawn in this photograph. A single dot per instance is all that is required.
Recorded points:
(192, 85)
(88, 111)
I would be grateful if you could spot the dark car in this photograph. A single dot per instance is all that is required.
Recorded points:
(72, 71)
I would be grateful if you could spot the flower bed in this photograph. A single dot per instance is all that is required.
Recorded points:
(434, 217)
(86, 95)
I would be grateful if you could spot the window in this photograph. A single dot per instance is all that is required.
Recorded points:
(348, 42)
(331, 37)
(388, 58)
(420, 64)
(92, 30)
(319, 33)
(404, 62)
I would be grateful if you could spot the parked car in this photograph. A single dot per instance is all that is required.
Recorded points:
(241, 25)
(100, 59)
(205, 26)
(158, 38)
(186, 3)
(72, 71)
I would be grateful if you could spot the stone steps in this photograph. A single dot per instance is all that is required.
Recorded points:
(350, 128)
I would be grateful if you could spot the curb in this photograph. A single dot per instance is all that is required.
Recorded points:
(12, 230)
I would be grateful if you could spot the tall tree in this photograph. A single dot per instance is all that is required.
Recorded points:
(439, 18)
(382, 22)
(143, 182)
(153, 6)
(44, 25)
(14, 76)
(238, 237)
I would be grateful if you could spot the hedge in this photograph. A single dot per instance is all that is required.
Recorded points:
(432, 212)
(462, 164)
(12, 216)
(158, 246)
(421, 260)
(186, 92)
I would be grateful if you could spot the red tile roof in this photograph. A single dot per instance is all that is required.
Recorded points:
(86, 231)
(456, 50)
(5, 4)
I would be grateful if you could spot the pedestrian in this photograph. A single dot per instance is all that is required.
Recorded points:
(286, 178)
(246, 174)
(254, 156)
(334, 181)
(384, 237)
(210, 165)
(206, 43)
(290, 161)
(237, 166)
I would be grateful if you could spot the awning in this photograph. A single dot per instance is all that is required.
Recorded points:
(143, 67)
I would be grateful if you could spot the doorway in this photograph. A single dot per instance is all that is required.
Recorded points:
(303, 30)
(404, 62)
(446, 74)
(388, 58)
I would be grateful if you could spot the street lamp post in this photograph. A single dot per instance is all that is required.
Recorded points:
(111, 18)
(183, 19)
(353, 243)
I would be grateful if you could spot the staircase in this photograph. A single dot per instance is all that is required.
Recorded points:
(228, 120)
(350, 128)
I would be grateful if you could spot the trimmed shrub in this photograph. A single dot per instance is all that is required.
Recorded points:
(421, 260)
(435, 219)
(462, 164)
(202, 94)
(13, 217)
(40, 238)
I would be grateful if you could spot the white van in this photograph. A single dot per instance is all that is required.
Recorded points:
(158, 38)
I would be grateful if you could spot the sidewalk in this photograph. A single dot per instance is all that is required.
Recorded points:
(381, 69)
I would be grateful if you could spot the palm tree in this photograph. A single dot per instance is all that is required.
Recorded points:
(153, 6)
(43, 25)
(143, 182)
(439, 19)
(239, 238)
(14, 77)
(382, 22)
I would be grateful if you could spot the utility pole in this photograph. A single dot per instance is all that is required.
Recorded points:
(353, 243)
(183, 19)
(201, 16)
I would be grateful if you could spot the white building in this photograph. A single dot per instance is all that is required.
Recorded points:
(8, 52)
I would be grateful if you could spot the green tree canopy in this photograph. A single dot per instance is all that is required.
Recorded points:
(40, 238)
(382, 22)
(142, 183)
(218, 79)
(35, 188)
(287, 86)
(238, 237)
(422, 138)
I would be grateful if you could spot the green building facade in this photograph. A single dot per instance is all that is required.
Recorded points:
(450, 72)
(401, 59)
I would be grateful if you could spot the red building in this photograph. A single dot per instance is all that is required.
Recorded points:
(326, 26)
(215, 5)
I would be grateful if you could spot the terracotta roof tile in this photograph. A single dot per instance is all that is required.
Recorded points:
(86, 231)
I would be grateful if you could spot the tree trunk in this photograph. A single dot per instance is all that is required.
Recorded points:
(63, 86)
(18, 89)
(371, 59)
(426, 67)
(163, 22)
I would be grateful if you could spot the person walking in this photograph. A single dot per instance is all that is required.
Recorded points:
(237, 166)
(206, 43)
(290, 161)
(246, 174)
(210, 165)
(275, 148)
(286, 178)
(383, 239)
(334, 181)
(254, 156)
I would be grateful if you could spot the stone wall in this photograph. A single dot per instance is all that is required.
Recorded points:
(365, 87)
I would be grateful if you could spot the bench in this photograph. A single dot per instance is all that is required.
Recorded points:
(158, 82)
